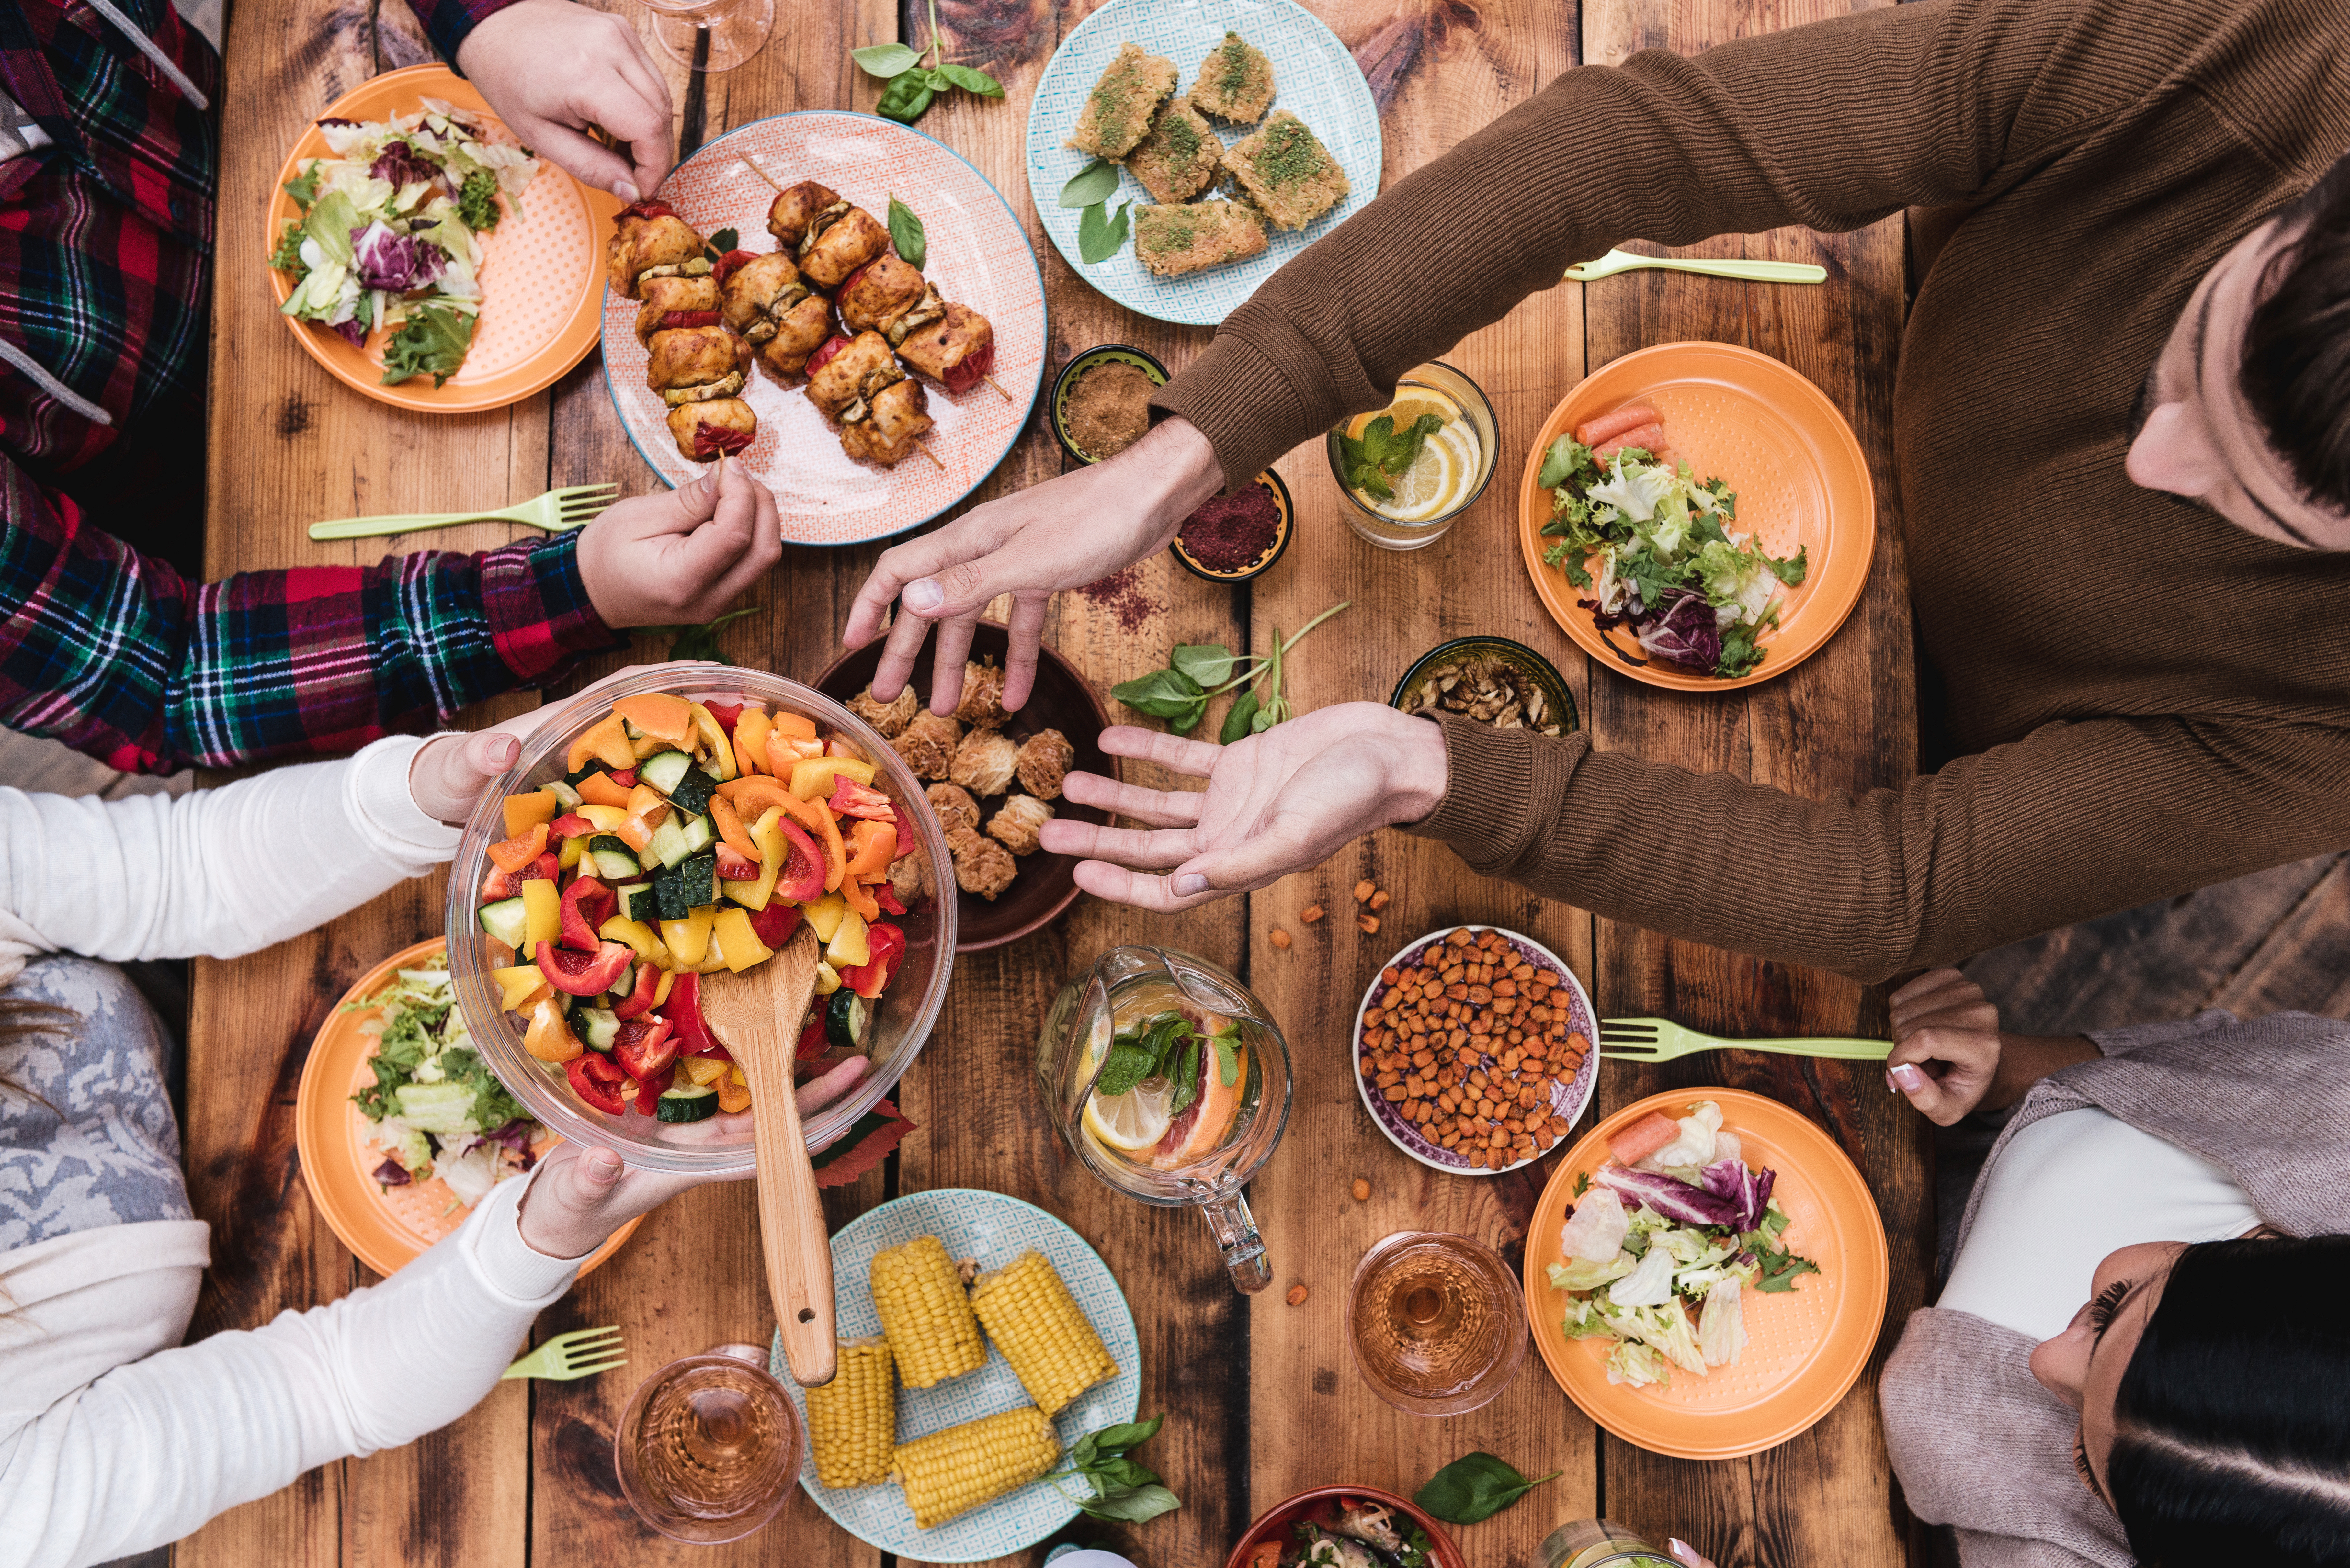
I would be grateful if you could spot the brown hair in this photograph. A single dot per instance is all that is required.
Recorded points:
(2296, 369)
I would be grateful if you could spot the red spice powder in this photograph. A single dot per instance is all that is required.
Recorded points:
(1122, 594)
(1232, 532)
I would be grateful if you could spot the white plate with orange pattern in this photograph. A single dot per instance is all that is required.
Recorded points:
(978, 256)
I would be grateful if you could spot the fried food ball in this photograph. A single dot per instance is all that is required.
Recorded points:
(927, 745)
(909, 878)
(1045, 760)
(1015, 824)
(983, 763)
(954, 805)
(981, 866)
(982, 697)
(888, 718)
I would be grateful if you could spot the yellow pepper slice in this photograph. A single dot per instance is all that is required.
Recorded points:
(688, 939)
(812, 776)
(769, 837)
(828, 979)
(542, 913)
(549, 1036)
(847, 948)
(668, 979)
(713, 740)
(517, 985)
(743, 945)
(638, 935)
(525, 812)
(704, 1069)
(713, 957)
(572, 849)
(825, 914)
(607, 818)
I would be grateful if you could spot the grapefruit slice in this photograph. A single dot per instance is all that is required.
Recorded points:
(1207, 1121)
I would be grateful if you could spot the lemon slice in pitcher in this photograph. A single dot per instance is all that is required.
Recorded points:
(1430, 485)
(1133, 1122)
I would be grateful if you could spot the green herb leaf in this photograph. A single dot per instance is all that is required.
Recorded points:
(1132, 1507)
(906, 97)
(477, 201)
(1375, 437)
(288, 256)
(724, 240)
(1560, 462)
(1475, 1487)
(304, 187)
(885, 61)
(970, 79)
(907, 234)
(1208, 663)
(1793, 569)
(1582, 1182)
(1125, 1065)
(1237, 722)
(701, 642)
(1123, 1436)
(1163, 694)
(1404, 450)
(1094, 183)
(432, 342)
(1228, 1061)
(1368, 478)
(1100, 233)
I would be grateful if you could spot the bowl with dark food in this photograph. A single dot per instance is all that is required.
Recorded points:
(991, 778)
(1101, 400)
(1349, 1526)
(664, 824)
(1516, 1006)
(1491, 680)
(1231, 538)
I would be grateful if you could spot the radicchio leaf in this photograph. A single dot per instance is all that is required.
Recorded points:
(392, 1173)
(1686, 633)
(393, 261)
(400, 166)
(351, 332)
(1749, 1188)
(1673, 1198)
(862, 1147)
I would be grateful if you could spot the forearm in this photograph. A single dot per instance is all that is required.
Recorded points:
(2025, 1059)
(451, 22)
(216, 872)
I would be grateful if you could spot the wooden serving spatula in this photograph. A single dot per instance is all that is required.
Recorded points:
(757, 1016)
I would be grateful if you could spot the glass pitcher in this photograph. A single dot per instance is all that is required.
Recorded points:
(1154, 1141)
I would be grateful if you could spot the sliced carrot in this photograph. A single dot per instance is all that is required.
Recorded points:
(1631, 417)
(871, 846)
(731, 830)
(512, 853)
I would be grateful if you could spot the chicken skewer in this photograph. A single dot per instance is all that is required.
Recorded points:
(951, 345)
(879, 410)
(691, 360)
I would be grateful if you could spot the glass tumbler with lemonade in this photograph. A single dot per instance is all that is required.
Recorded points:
(1408, 470)
(1172, 1082)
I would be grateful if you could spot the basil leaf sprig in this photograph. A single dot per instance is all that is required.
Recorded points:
(1382, 451)
(697, 641)
(1089, 187)
(720, 243)
(1125, 1490)
(914, 86)
(907, 234)
(1475, 1487)
(1100, 231)
(1198, 671)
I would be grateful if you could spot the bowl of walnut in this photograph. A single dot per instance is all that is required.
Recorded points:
(993, 777)
(1491, 680)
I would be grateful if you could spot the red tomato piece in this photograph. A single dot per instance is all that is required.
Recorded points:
(802, 878)
(587, 904)
(645, 1047)
(774, 924)
(850, 799)
(595, 1080)
(641, 999)
(583, 974)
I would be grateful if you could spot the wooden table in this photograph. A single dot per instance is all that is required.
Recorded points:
(1260, 1395)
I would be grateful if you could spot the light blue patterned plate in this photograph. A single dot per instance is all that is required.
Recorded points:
(994, 1230)
(1314, 77)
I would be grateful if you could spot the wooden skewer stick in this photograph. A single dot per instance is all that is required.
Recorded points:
(998, 386)
(923, 447)
(761, 171)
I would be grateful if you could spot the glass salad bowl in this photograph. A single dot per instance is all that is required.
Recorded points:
(902, 1019)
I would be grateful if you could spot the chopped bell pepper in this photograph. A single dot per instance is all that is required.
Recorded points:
(542, 913)
(872, 845)
(732, 831)
(573, 825)
(850, 799)
(848, 946)
(607, 743)
(636, 828)
(638, 935)
(549, 1036)
(784, 753)
(768, 838)
(751, 728)
(887, 896)
(828, 979)
(652, 745)
(825, 915)
(871, 978)
(600, 817)
(704, 1069)
(710, 742)
(726, 713)
(795, 726)
(597, 1081)
(733, 931)
(689, 940)
(601, 789)
(861, 902)
(645, 995)
(587, 904)
(714, 957)
(525, 812)
(567, 857)
(519, 985)
(514, 854)
(733, 1095)
(812, 777)
(774, 924)
(811, 1042)
(683, 1010)
(660, 714)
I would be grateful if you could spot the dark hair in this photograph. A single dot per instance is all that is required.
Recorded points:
(2231, 1424)
(2296, 369)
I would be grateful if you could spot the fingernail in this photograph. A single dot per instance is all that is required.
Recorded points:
(603, 1166)
(1189, 883)
(1680, 1549)
(626, 190)
(1908, 1079)
(923, 596)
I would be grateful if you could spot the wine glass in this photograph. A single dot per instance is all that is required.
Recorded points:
(1434, 1323)
(709, 1447)
(736, 29)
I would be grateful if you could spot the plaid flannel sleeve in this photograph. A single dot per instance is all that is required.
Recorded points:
(448, 20)
(118, 655)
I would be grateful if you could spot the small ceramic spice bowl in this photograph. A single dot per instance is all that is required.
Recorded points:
(1066, 383)
(1488, 673)
(1283, 526)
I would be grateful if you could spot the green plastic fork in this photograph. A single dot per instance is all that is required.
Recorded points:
(1615, 262)
(558, 511)
(1662, 1039)
(582, 1353)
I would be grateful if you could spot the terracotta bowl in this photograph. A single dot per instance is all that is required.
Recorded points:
(1275, 1522)
(1063, 701)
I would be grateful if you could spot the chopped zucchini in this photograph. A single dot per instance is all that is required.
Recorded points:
(594, 765)
(595, 1027)
(506, 921)
(638, 903)
(701, 834)
(610, 841)
(663, 769)
(686, 1102)
(669, 842)
(679, 890)
(693, 791)
(565, 796)
(845, 1019)
(615, 865)
(625, 984)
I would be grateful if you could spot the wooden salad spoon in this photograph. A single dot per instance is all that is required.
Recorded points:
(757, 1015)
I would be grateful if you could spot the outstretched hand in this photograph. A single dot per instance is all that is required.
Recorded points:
(582, 1194)
(679, 557)
(1062, 534)
(1282, 800)
(550, 70)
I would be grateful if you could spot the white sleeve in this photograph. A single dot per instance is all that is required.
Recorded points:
(153, 1450)
(215, 872)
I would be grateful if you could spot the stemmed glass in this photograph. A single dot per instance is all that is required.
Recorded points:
(736, 29)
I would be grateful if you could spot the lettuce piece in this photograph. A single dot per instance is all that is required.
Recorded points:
(1583, 1319)
(329, 226)
(1595, 1231)
(1665, 1327)
(1585, 1275)
(446, 1109)
(1648, 1285)
(1721, 1325)
(1634, 1363)
(471, 1174)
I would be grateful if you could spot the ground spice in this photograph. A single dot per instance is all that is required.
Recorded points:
(1232, 532)
(1122, 594)
(1109, 408)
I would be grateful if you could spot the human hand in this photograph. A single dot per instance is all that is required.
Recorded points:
(679, 557)
(449, 772)
(1281, 801)
(1688, 1556)
(1946, 1045)
(1062, 534)
(550, 70)
(581, 1194)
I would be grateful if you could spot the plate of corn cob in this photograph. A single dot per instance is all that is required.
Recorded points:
(979, 1337)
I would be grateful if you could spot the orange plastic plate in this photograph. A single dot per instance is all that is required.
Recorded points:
(386, 1226)
(1789, 457)
(1804, 1346)
(541, 275)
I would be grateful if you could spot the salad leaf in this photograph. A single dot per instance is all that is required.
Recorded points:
(1721, 1325)
(1781, 1269)
(304, 187)
(1638, 1365)
(1648, 1285)
(697, 641)
(1100, 233)
(907, 234)
(1663, 1195)
(1583, 1274)
(1566, 457)
(477, 201)
(1208, 663)
(1583, 1319)
(1738, 654)
(331, 224)
(432, 342)
(1792, 569)
(288, 256)
(1474, 1487)
(443, 1109)
(1092, 185)
(885, 61)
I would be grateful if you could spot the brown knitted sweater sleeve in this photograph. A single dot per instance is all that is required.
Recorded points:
(1834, 125)
(2070, 822)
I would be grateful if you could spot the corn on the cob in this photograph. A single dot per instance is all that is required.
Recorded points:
(1028, 1312)
(951, 1471)
(853, 1419)
(925, 1313)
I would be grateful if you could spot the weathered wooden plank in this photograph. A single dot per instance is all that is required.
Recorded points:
(1843, 721)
